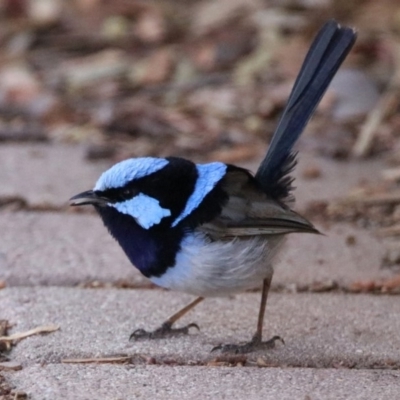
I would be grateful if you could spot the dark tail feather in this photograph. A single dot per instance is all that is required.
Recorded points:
(324, 58)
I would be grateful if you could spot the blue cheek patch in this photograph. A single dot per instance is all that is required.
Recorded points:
(208, 176)
(125, 171)
(145, 209)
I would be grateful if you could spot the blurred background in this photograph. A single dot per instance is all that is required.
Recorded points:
(99, 81)
(203, 79)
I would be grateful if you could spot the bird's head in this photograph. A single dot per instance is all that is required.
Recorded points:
(125, 188)
(152, 190)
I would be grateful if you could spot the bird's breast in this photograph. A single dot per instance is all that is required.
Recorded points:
(219, 268)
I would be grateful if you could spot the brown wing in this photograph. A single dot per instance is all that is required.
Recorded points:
(250, 212)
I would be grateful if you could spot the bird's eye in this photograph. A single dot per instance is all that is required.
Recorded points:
(126, 193)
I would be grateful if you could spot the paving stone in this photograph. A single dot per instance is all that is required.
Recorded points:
(309, 259)
(46, 174)
(51, 174)
(68, 249)
(60, 249)
(53, 249)
(336, 180)
(320, 330)
(111, 382)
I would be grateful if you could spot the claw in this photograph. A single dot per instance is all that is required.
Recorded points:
(192, 325)
(275, 339)
(138, 334)
(215, 348)
(253, 345)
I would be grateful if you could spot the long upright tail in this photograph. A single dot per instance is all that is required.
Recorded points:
(324, 58)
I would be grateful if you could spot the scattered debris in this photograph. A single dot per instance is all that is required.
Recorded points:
(121, 284)
(391, 174)
(99, 360)
(134, 359)
(387, 104)
(373, 199)
(205, 74)
(351, 240)
(391, 258)
(10, 340)
(10, 366)
(27, 132)
(8, 393)
(18, 203)
(311, 172)
(228, 361)
(388, 286)
(99, 152)
(4, 326)
(393, 230)
(262, 363)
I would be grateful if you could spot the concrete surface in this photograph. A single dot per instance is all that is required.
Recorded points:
(116, 382)
(46, 174)
(51, 174)
(338, 346)
(320, 330)
(80, 245)
(79, 250)
(336, 179)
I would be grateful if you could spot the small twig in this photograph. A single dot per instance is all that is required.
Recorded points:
(389, 231)
(28, 133)
(391, 174)
(386, 103)
(4, 325)
(100, 360)
(372, 200)
(10, 366)
(385, 106)
(23, 335)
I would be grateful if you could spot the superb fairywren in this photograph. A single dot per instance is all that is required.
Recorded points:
(214, 229)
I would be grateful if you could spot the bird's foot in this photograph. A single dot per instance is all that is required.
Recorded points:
(255, 344)
(164, 331)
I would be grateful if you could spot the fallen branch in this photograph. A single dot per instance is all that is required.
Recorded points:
(391, 174)
(373, 200)
(16, 337)
(100, 360)
(10, 366)
(386, 105)
(393, 230)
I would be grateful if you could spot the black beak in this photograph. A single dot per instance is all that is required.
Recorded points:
(88, 197)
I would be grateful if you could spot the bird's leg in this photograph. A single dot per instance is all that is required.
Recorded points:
(166, 330)
(256, 342)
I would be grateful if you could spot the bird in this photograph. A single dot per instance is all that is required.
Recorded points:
(214, 229)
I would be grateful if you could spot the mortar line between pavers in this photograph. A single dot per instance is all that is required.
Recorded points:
(280, 288)
(219, 361)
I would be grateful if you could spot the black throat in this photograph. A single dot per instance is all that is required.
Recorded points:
(152, 250)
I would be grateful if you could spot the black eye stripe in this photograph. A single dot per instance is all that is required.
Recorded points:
(116, 195)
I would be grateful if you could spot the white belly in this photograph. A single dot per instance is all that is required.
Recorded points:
(210, 269)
